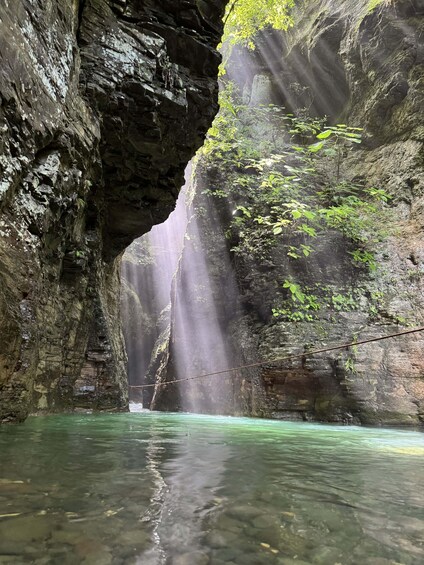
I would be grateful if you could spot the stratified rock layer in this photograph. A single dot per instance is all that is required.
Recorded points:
(102, 103)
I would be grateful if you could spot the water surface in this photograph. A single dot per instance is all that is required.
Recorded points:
(171, 489)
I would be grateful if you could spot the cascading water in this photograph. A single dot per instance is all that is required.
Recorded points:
(147, 270)
(180, 327)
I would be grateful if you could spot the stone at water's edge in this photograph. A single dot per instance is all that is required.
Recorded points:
(102, 104)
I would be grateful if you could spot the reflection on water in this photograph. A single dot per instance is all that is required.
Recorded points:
(154, 489)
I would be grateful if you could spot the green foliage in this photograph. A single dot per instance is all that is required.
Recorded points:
(363, 257)
(222, 141)
(277, 196)
(343, 302)
(80, 204)
(342, 133)
(245, 18)
(303, 303)
(298, 252)
(297, 295)
(349, 365)
(288, 189)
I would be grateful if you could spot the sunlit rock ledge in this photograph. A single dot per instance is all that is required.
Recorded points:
(102, 104)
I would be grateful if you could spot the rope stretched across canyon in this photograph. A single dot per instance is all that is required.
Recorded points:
(285, 358)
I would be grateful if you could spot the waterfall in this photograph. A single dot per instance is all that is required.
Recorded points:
(180, 299)
(147, 269)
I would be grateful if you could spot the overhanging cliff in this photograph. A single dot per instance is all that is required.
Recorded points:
(102, 104)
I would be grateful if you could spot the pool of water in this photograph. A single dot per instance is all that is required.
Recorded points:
(173, 489)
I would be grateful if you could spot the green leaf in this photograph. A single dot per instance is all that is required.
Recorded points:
(245, 211)
(316, 147)
(308, 230)
(352, 135)
(309, 214)
(325, 134)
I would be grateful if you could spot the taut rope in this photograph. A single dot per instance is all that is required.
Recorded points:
(286, 358)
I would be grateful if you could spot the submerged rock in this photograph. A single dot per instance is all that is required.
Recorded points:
(191, 558)
(220, 538)
(134, 538)
(25, 529)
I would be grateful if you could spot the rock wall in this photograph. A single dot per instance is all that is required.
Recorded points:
(361, 64)
(102, 104)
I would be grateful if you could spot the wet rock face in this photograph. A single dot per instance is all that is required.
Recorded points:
(379, 55)
(102, 103)
(364, 68)
(148, 69)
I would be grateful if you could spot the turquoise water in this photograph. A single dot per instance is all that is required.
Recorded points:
(196, 490)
